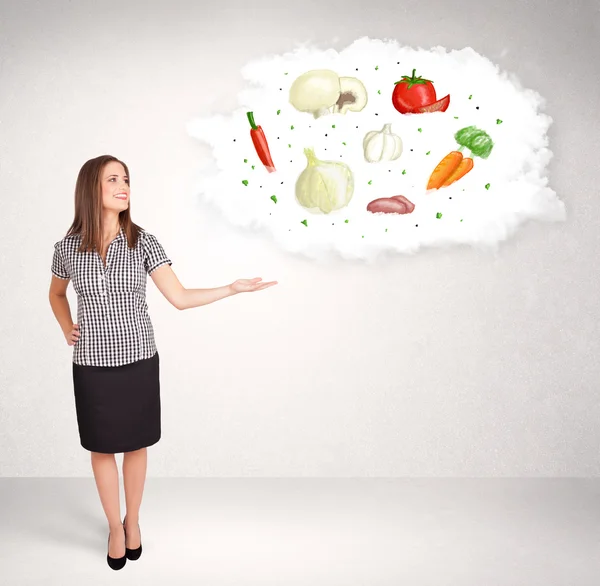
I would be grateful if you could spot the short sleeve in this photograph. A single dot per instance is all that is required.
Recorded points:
(154, 254)
(58, 266)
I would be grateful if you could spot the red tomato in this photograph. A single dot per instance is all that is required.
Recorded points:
(412, 92)
(439, 106)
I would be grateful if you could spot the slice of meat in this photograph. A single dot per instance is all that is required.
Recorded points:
(410, 206)
(391, 205)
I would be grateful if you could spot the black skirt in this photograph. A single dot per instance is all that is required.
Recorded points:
(118, 407)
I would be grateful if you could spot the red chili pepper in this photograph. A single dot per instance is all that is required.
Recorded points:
(260, 144)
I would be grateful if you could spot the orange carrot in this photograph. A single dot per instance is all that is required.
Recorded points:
(445, 169)
(463, 168)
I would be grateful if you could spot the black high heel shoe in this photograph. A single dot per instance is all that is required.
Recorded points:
(116, 563)
(133, 554)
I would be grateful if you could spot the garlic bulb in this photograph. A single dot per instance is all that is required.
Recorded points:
(324, 185)
(382, 145)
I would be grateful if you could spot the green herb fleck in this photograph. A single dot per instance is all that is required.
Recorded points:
(376, 67)
(245, 181)
(274, 198)
(285, 73)
(487, 185)
(386, 229)
(420, 129)
(470, 96)
(378, 91)
(456, 118)
(304, 222)
(289, 146)
(403, 171)
(292, 127)
(345, 221)
(438, 215)
(370, 181)
(333, 126)
(461, 219)
(363, 235)
(245, 160)
(252, 167)
(498, 121)
(427, 152)
(278, 112)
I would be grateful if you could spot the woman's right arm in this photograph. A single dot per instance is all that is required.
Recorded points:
(62, 311)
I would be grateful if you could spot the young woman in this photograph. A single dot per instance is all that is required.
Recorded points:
(115, 360)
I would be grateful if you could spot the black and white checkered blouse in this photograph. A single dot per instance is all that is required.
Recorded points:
(112, 313)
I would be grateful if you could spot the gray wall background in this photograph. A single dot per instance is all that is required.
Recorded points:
(453, 362)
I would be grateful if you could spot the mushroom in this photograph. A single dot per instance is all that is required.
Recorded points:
(315, 91)
(353, 96)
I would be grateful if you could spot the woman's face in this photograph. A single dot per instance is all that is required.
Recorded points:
(115, 187)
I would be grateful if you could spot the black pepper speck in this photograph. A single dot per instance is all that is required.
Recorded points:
(476, 107)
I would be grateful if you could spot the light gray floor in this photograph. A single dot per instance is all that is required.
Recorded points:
(312, 532)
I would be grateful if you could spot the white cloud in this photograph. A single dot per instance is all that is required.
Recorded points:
(515, 170)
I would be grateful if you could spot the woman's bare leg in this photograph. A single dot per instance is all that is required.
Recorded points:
(107, 483)
(134, 476)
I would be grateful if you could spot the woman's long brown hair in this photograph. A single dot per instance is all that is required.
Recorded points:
(88, 207)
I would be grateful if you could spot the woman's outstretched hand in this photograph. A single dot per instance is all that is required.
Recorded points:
(250, 285)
